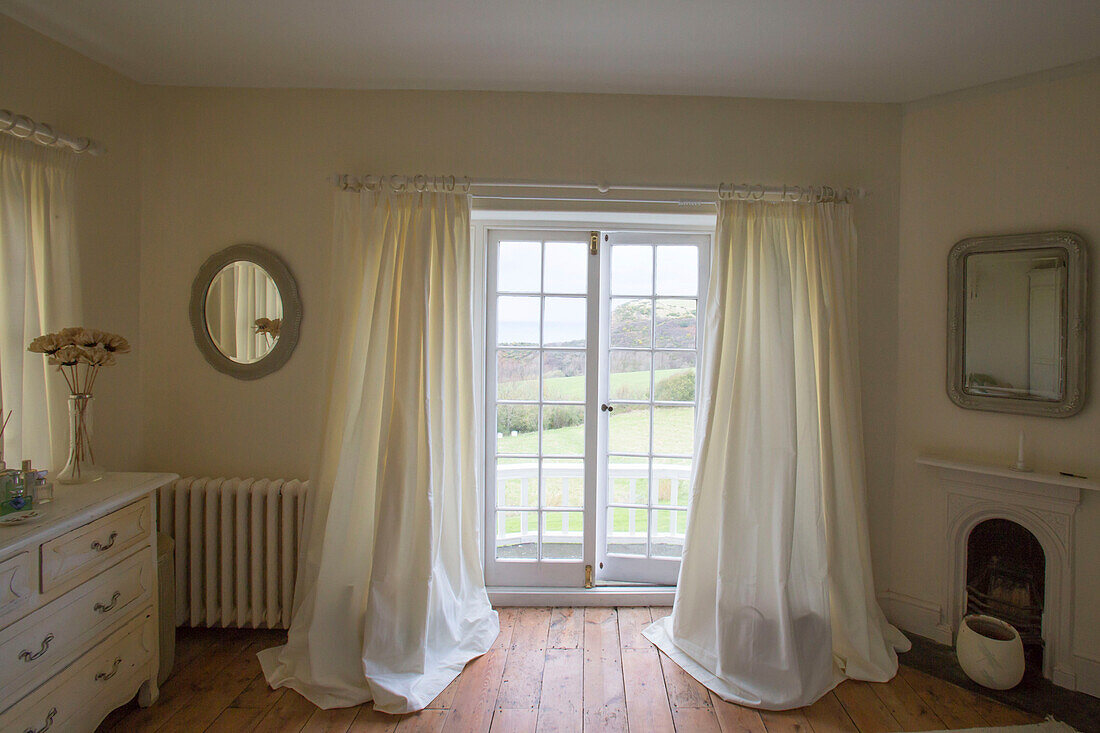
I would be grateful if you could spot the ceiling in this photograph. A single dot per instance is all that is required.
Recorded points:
(839, 50)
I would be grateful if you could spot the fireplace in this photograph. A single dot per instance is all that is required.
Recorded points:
(1005, 578)
(1026, 522)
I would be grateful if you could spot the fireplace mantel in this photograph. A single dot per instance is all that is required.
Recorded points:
(1045, 505)
(1006, 477)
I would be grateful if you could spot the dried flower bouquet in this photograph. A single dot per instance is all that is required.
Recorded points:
(79, 354)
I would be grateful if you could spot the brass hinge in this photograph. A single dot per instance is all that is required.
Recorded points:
(593, 243)
(588, 577)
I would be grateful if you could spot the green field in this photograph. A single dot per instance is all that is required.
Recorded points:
(624, 386)
(628, 432)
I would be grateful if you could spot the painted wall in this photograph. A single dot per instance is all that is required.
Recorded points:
(226, 166)
(53, 84)
(1000, 161)
(191, 171)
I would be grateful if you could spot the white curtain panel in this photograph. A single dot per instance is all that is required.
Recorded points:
(776, 603)
(39, 292)
(392, 602)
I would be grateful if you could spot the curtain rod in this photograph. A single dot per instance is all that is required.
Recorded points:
(24, 127)
(706, 194)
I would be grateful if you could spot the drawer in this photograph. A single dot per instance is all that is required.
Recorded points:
(40, 644)
(15, 584)
(82, 552)
(101, 680)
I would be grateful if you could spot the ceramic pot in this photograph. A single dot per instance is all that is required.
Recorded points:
(990, 652)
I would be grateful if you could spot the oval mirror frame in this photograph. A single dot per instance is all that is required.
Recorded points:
(288, 292)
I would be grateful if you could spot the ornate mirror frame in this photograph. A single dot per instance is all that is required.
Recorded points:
(292, 311)
(1075, 323)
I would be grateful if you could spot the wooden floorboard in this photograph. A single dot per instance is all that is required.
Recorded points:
(554, 670)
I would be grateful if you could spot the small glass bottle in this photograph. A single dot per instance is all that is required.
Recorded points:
(43, 489)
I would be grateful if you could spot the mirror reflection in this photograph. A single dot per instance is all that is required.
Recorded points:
(1014, 324)
(244, 312)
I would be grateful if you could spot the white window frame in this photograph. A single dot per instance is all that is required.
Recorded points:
(558, 576)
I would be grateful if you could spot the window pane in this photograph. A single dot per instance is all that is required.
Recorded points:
(563, 430)
(676, 324)
(669, 528)
(672, 482)
(563, 483)
(517, 429)
(518, 320)
(563, 376)
(673, 430)
(517, 535)
(562, 535)
(631, 323)
(565, 322)
(518, 483)
(628, 429)
(566, 267)
(628, 478)
(517, 374)
(518, 267)
(677, 270)
(674, 376)
(629, 378)
(632, 270)
(626, 531)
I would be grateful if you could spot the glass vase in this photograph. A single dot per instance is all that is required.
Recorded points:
(80, 468)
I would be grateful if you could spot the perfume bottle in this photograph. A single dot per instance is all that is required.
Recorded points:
(14, 494)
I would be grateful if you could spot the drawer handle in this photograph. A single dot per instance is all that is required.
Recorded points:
(104, 676)
(98, 547)
(49, 721)
(26, 655)
(105, 607)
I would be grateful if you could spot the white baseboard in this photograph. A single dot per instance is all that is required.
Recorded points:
(1088, 675)
(604, 596)
(915, 615)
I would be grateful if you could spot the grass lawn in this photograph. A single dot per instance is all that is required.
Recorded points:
(624, 385)
(628, 432)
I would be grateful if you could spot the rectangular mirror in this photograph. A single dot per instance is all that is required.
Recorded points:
(1016, 323)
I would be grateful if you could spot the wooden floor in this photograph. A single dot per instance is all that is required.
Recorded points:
(561, 669)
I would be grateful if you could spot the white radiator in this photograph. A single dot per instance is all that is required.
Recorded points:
(236, 548)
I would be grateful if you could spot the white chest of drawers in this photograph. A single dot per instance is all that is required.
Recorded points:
(78, 606)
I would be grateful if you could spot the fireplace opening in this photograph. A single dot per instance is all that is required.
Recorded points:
(1005, 578)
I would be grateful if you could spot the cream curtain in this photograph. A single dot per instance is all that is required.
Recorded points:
(239, 294)
(392, 602)
(39, 292)
(775, 603)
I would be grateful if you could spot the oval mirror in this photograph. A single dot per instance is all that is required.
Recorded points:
(245, 311)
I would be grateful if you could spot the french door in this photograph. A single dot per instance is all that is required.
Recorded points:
(592, 345)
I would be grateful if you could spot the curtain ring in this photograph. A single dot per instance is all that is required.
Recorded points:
(14, 130)
(420, 182)
(741, 191)
(397, 183)
(466, 183)
(42, 133)
(449, 185)
(752, 192)
(11, 120)
(721, 195)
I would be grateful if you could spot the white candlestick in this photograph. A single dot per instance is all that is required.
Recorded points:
(1021, 463)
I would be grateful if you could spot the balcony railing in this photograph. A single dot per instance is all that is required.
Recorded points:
(528, 475)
